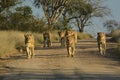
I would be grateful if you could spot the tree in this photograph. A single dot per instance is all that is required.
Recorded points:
(21, 17)
(25, 10)
(81, 11)
(7, 4)
(5, 12)
(53, 10)
(111, 25)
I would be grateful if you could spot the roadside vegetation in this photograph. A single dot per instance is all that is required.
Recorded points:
(16, 20)
(13, 41)
(115, 37)
(84, 36)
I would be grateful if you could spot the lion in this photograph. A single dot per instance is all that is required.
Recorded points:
(71, 40)
(62, 37)
(101, 39)
(47, 39)
(29, 45)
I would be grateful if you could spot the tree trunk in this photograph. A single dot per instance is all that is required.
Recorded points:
(80, 26)
(82, 29)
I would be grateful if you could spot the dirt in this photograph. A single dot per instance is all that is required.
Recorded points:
(53, 64)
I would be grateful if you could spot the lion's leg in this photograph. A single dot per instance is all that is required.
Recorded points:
(32, 52)
(69, 51)
(101, 49)
(48, 43)
(73, 52)
(62, 42)
(104, 49)
(28, 52)
(45, 43)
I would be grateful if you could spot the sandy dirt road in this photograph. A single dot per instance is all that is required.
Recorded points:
(53, 64)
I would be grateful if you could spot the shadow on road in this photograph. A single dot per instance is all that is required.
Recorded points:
(56, 74)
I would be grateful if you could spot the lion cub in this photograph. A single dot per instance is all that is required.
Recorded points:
(101, 39)
(29, 44)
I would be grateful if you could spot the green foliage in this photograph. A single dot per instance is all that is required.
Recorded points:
(81, 11)
(6, 4)
(25, 10)
(22, 20)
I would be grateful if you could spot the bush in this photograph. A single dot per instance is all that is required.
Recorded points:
(115, 35)
(118, 48)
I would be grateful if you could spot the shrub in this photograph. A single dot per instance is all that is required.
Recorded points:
(115, 35)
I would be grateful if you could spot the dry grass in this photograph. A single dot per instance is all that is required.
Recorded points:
(10, 40)
(84, 36)
(54, 36)
(13, 40)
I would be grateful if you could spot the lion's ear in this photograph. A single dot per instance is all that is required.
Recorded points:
(98, 33)
(25, 34)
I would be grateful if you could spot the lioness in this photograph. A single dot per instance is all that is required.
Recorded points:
(47, 39)
(71, 39)
(101, 39)
(29, 44)
(62, 37)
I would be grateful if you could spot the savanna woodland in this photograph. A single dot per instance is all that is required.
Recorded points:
(59, 40)
(16, 19)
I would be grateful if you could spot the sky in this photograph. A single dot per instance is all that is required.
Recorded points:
(113, 5)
